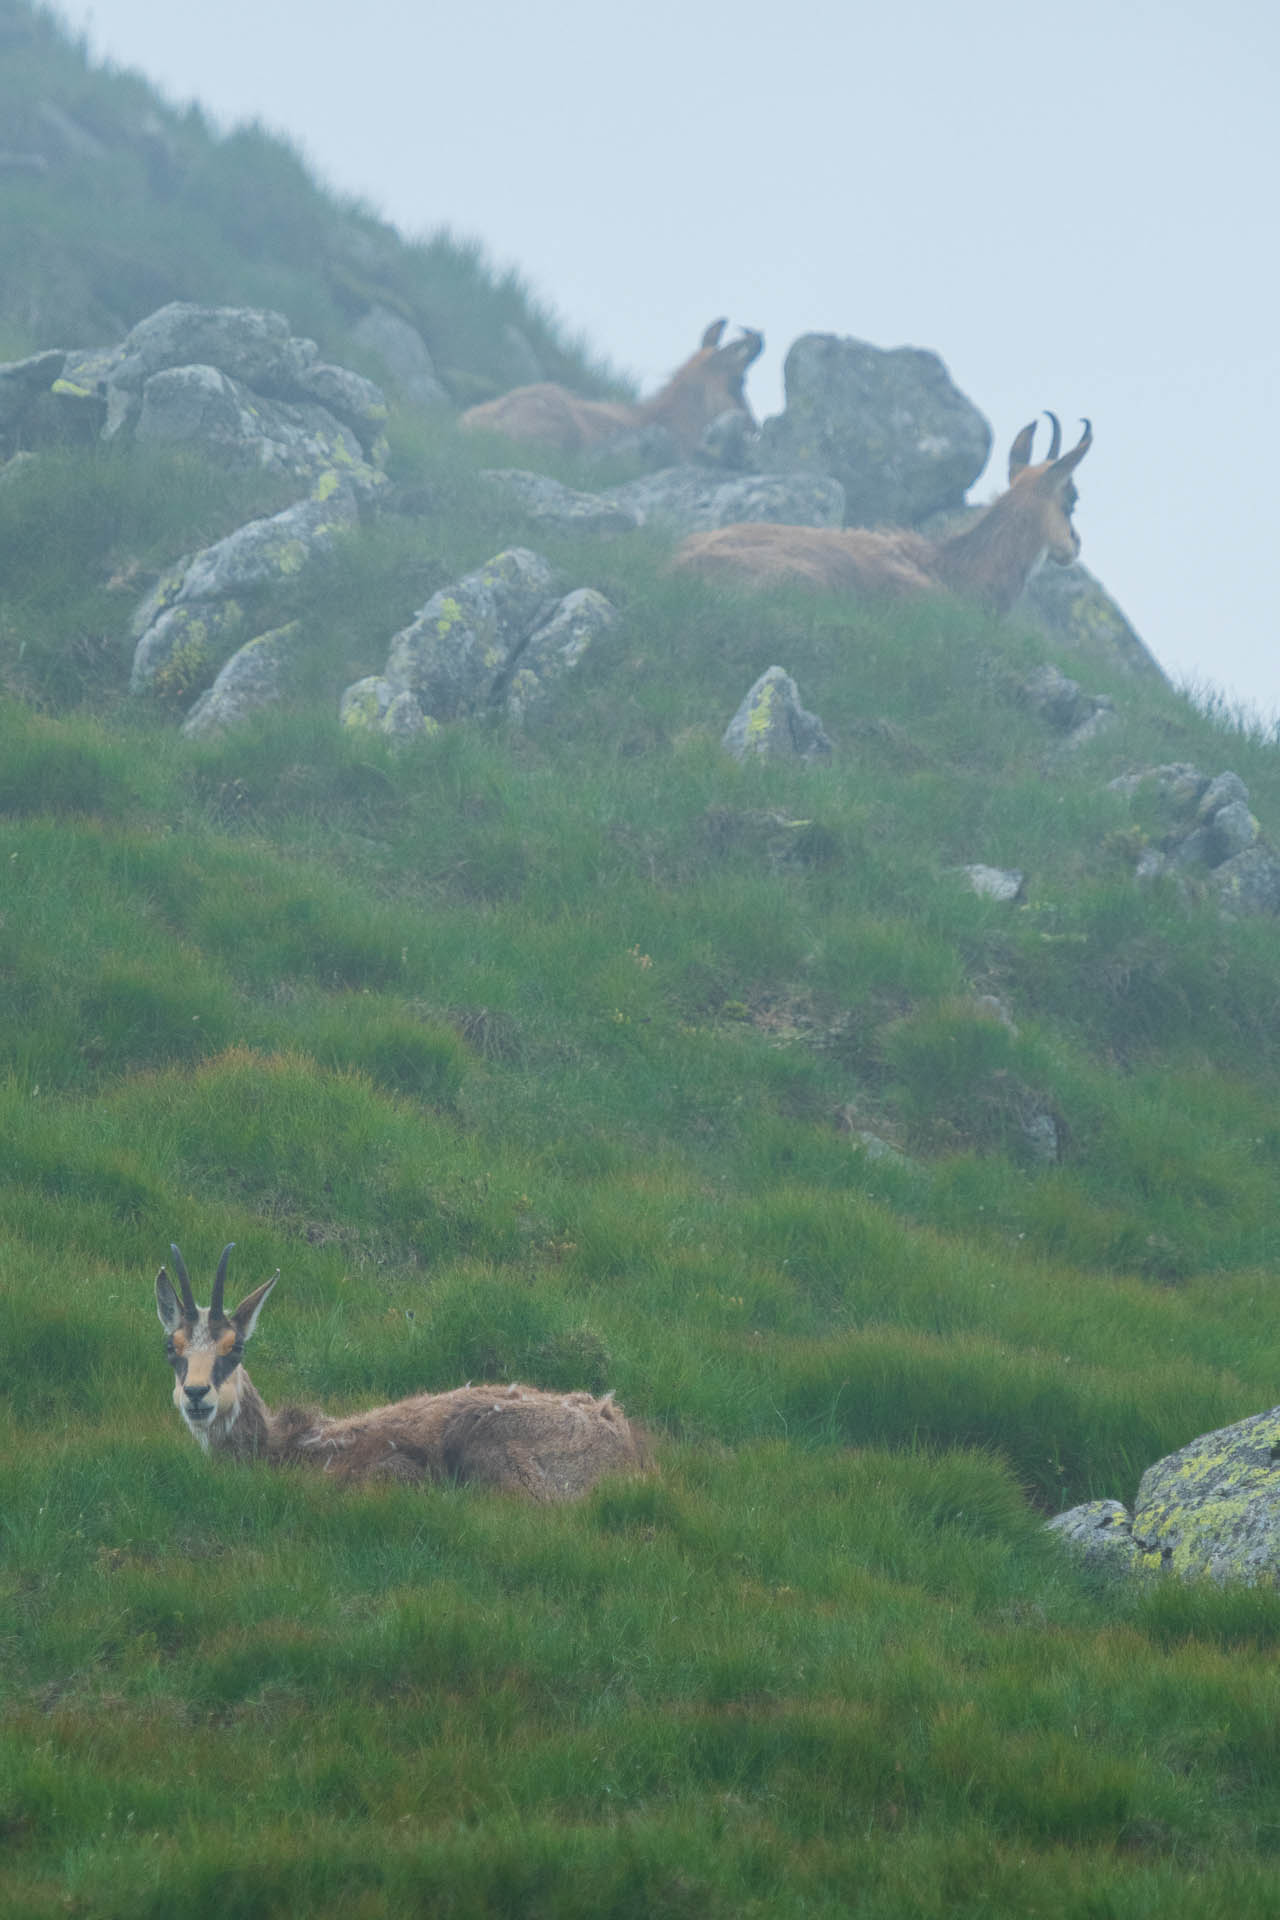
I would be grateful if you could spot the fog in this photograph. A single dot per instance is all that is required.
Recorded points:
(1074, 207)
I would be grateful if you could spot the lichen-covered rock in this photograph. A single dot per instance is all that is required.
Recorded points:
(1248, 884)
(404, 353)
(256, 676)
(689, 499)
(772, 724)
(263, 552)
(555, 648)
(453, 655)
(889, 425)
(252, 344)
(1214, 1506)
(1101, 1534)
(182, 651)
(195, 616)
(541, 498)
(201, 407)
(1210, 1510)
(374, 705)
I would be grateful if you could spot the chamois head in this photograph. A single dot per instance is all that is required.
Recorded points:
(712, 382)
(1051, 486)
(206, 1345)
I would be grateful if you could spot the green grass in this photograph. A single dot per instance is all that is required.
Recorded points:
(545, 1056)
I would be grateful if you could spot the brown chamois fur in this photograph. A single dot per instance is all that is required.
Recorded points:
(545, 1446)
(988, 562)
(707, 385)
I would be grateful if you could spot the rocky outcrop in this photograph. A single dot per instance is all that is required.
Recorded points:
(1204, 835)
(1069, 606)
(903, 441)
(1079, 717)
(1211, 1510)
(236, 384)
(494, 641)
(771, 724)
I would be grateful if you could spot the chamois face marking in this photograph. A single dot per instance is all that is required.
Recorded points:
(205, 1347)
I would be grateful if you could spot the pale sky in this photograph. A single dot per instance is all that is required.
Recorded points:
(1074, 205)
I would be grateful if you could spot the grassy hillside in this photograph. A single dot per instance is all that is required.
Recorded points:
(546, 1055)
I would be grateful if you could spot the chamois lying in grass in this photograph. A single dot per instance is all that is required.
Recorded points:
(988, 562)
(707, 385)
(546, 1446)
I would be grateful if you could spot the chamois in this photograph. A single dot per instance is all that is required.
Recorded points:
(707, 385)
(988, 562)
(546, 1446)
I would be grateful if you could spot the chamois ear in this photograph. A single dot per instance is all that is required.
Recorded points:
(1020, 451)
(711, 338)
(245, 1317)
(168, 1306)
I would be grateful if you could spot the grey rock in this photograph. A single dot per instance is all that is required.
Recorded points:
(194, 617)
(889, 425)
(1070, 606)
(1104, 719)
(1226, 789)
(1040, 1137)
(731, 439)
(880, 1152)
(349, 397)
(250, 344)
(183, 649)
(1176, 781)
(1100, 1533)
(690, 499)
(1213, 1508)
(457, 650)
(200, 406)
(23, 381)
(555, 648)
(374, 705)
(541, 498)
(404, 353)
(995, 883)
(263, 552)
(1234, 829)
(1062, 703)
(1248, 884)
(256, 676)
(772, 724)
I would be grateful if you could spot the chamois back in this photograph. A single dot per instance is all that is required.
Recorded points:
(710, 382)
(988, 562)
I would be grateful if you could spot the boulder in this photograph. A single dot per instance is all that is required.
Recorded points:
(256, 676)
(1207, 836)
(195, 616)
(1209, 1511)
(889, 425)
(555, 648)
(402, 350)
(772, 724)
(495, 641)
(201, 407)
(452, 656)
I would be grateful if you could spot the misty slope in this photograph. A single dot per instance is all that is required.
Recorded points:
(549, 1053)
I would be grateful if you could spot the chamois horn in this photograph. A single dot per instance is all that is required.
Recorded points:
(1055, 442)
(1070, 461)
(188, 1298)
(215, 1300)
(711, 338)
